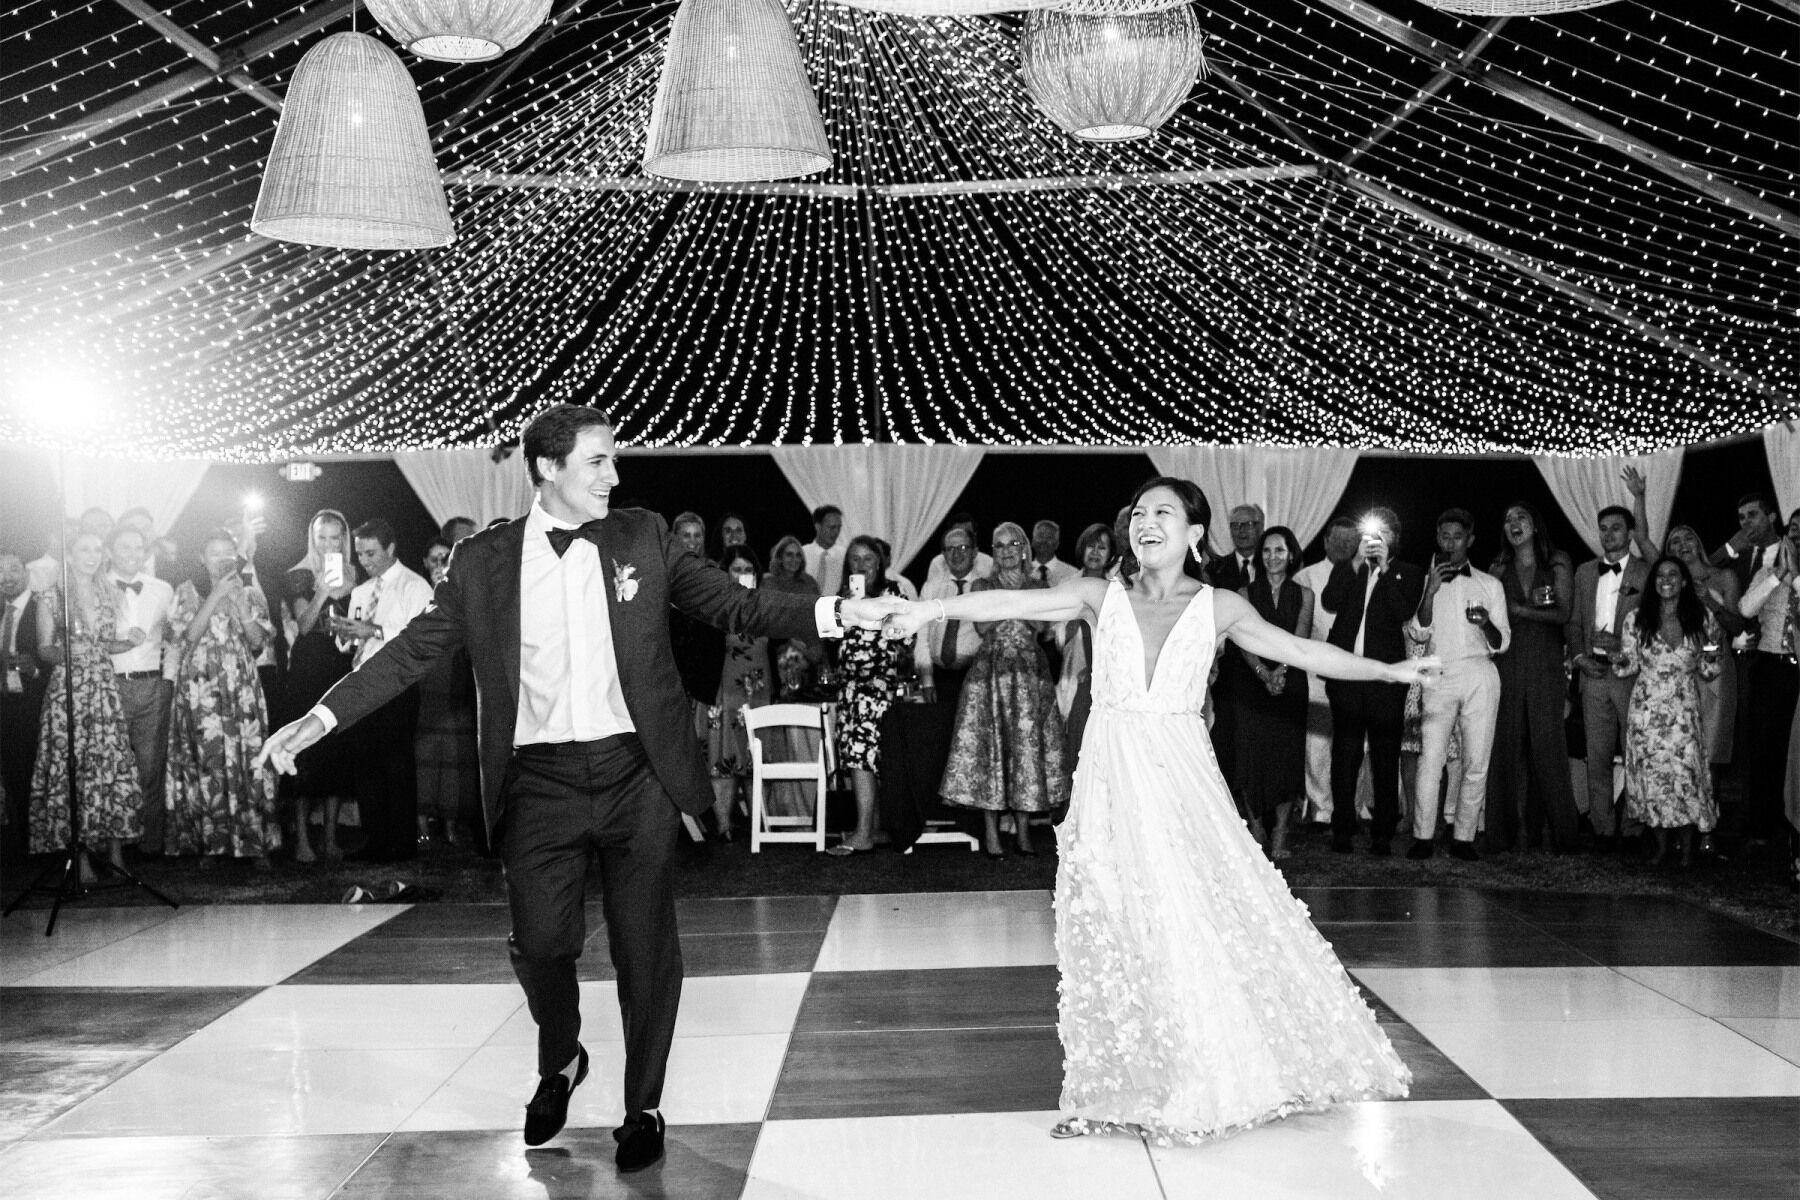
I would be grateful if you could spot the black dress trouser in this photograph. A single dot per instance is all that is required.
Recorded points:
(565, 804)
(1376, 711)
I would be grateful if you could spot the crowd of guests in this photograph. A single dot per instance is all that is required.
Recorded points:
(1678, 662)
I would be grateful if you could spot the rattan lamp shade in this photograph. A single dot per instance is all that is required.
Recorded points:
(352, 164)
(734, 103)
(460, 30)
(1513, 8)
(1110, 79)
(952, 8)
(1116, 8)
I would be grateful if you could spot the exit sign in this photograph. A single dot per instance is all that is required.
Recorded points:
(301, 472)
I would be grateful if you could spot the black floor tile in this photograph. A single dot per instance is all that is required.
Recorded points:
(1401, 905)
(1693, 939)
(110, 1018)
(1449, 945)
(755, 914)
(412, 960)
(36, 1085)
(722, 954)
(918, 1071)
(701, 1162)
(1576, 908)
(1683, 1148)
(1435, 1077)
(961, 998)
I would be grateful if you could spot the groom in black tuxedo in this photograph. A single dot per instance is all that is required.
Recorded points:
(587, 745)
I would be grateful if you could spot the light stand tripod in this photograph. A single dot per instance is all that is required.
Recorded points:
(69, 886)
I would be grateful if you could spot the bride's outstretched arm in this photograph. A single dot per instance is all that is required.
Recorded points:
(1240, 622)
(1062, 603)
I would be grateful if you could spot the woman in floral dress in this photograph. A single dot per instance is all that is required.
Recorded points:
(219, 803)
(1006, 753)
(871, 681)
(1668, 782)
(743, 683)
(106, 782)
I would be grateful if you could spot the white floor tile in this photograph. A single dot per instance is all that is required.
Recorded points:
(1780, 1034)
(1570, 1059)
(1470, 1149)
(234, 1090)
(991, 1156)
(711, 1081)
(24, 950)
(711, 1006)
(363, 1017)
(1726, 991)
(1517, 994)
(182, 1168)
(282, 922)
(934, 931)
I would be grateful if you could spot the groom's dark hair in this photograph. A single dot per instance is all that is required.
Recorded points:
(552, 434)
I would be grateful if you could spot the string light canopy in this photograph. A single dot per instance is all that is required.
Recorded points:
(734, 103)
(1327, 243)
(351, 165)
(1111, 78)
(1513, 8)
(952, 8)
(460, 30)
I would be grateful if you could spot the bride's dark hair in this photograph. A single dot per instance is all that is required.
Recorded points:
(1199, 512)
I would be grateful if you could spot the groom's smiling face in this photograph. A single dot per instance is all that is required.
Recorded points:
(579, 489)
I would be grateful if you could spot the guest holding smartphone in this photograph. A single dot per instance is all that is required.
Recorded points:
(319, 587)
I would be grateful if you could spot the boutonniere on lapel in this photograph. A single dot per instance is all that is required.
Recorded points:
(624, 585)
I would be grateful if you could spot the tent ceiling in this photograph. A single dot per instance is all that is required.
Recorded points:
(1249, 289)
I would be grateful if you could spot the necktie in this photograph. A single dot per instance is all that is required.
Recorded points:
(1247, 568)
(135, 587)
(1366, 575)
(562, 539)
(1043, 572)
(952, 627)
(1607, 568)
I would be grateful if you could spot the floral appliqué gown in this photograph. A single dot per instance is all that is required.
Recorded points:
(1196, 997)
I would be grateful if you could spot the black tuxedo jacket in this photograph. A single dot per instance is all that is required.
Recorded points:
(36, 682)
(477, 607)
(1394, 600)
(1227, 574)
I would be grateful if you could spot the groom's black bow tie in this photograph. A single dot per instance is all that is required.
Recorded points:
(1612, 568)
(134, 586)
(1463, 571)
(562, 539)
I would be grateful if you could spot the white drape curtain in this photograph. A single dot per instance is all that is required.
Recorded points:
(897, 493)
(1782, 444)
(1296, 486)
(1584, 486)
(119, 484)
(467, 483)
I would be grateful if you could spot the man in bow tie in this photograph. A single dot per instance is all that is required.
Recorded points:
(1462, 615)
(587, 746)
(145, 690)
(1606, 590)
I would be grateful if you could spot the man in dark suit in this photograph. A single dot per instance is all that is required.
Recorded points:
(1370, 598)
(1607, 590)
(1233, 573)
(21, 696)
(587, 744)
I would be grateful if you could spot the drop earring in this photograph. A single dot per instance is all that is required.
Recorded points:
(1198, 557)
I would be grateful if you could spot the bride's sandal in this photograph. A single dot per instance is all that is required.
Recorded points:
(1073, 1127)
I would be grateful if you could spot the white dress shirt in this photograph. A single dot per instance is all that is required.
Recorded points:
(928, 645)
(1453, 638)
(1606, 594)
(939, 570)
(146, 609)
(1314, 578)
(390, 600)
(826, 566)
(1053, 572)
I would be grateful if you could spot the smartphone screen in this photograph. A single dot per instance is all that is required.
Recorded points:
(856, 587)
(334, 570)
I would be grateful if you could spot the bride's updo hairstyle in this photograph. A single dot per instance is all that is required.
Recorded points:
(1199, 512)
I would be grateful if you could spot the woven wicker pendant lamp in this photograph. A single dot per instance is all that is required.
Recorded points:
(460, 30)
(1110, 79)
(352, 164)
(734, 103)
(1116, 8)
(954, 8)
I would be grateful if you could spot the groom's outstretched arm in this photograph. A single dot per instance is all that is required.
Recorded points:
(706, 592)
(399, 664)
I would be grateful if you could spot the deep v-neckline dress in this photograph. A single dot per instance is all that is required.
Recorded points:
(1196, 998)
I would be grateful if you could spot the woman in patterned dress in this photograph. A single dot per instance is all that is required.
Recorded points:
(871, 681)
(1006, 753)
(219, 803)
(108, 796)
(743, 683)
(1668, 780)
(1196, 999)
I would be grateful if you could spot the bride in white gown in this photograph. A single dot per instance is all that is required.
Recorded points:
(1196, 998)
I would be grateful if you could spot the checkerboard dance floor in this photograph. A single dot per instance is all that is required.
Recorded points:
(875, 1046)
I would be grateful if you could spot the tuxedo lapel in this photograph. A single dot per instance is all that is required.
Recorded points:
(504, 579)
(615, 550)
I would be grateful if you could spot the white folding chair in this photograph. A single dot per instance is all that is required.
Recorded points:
(767, 827)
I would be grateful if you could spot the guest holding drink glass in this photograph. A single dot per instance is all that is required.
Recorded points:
(1606, 590)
